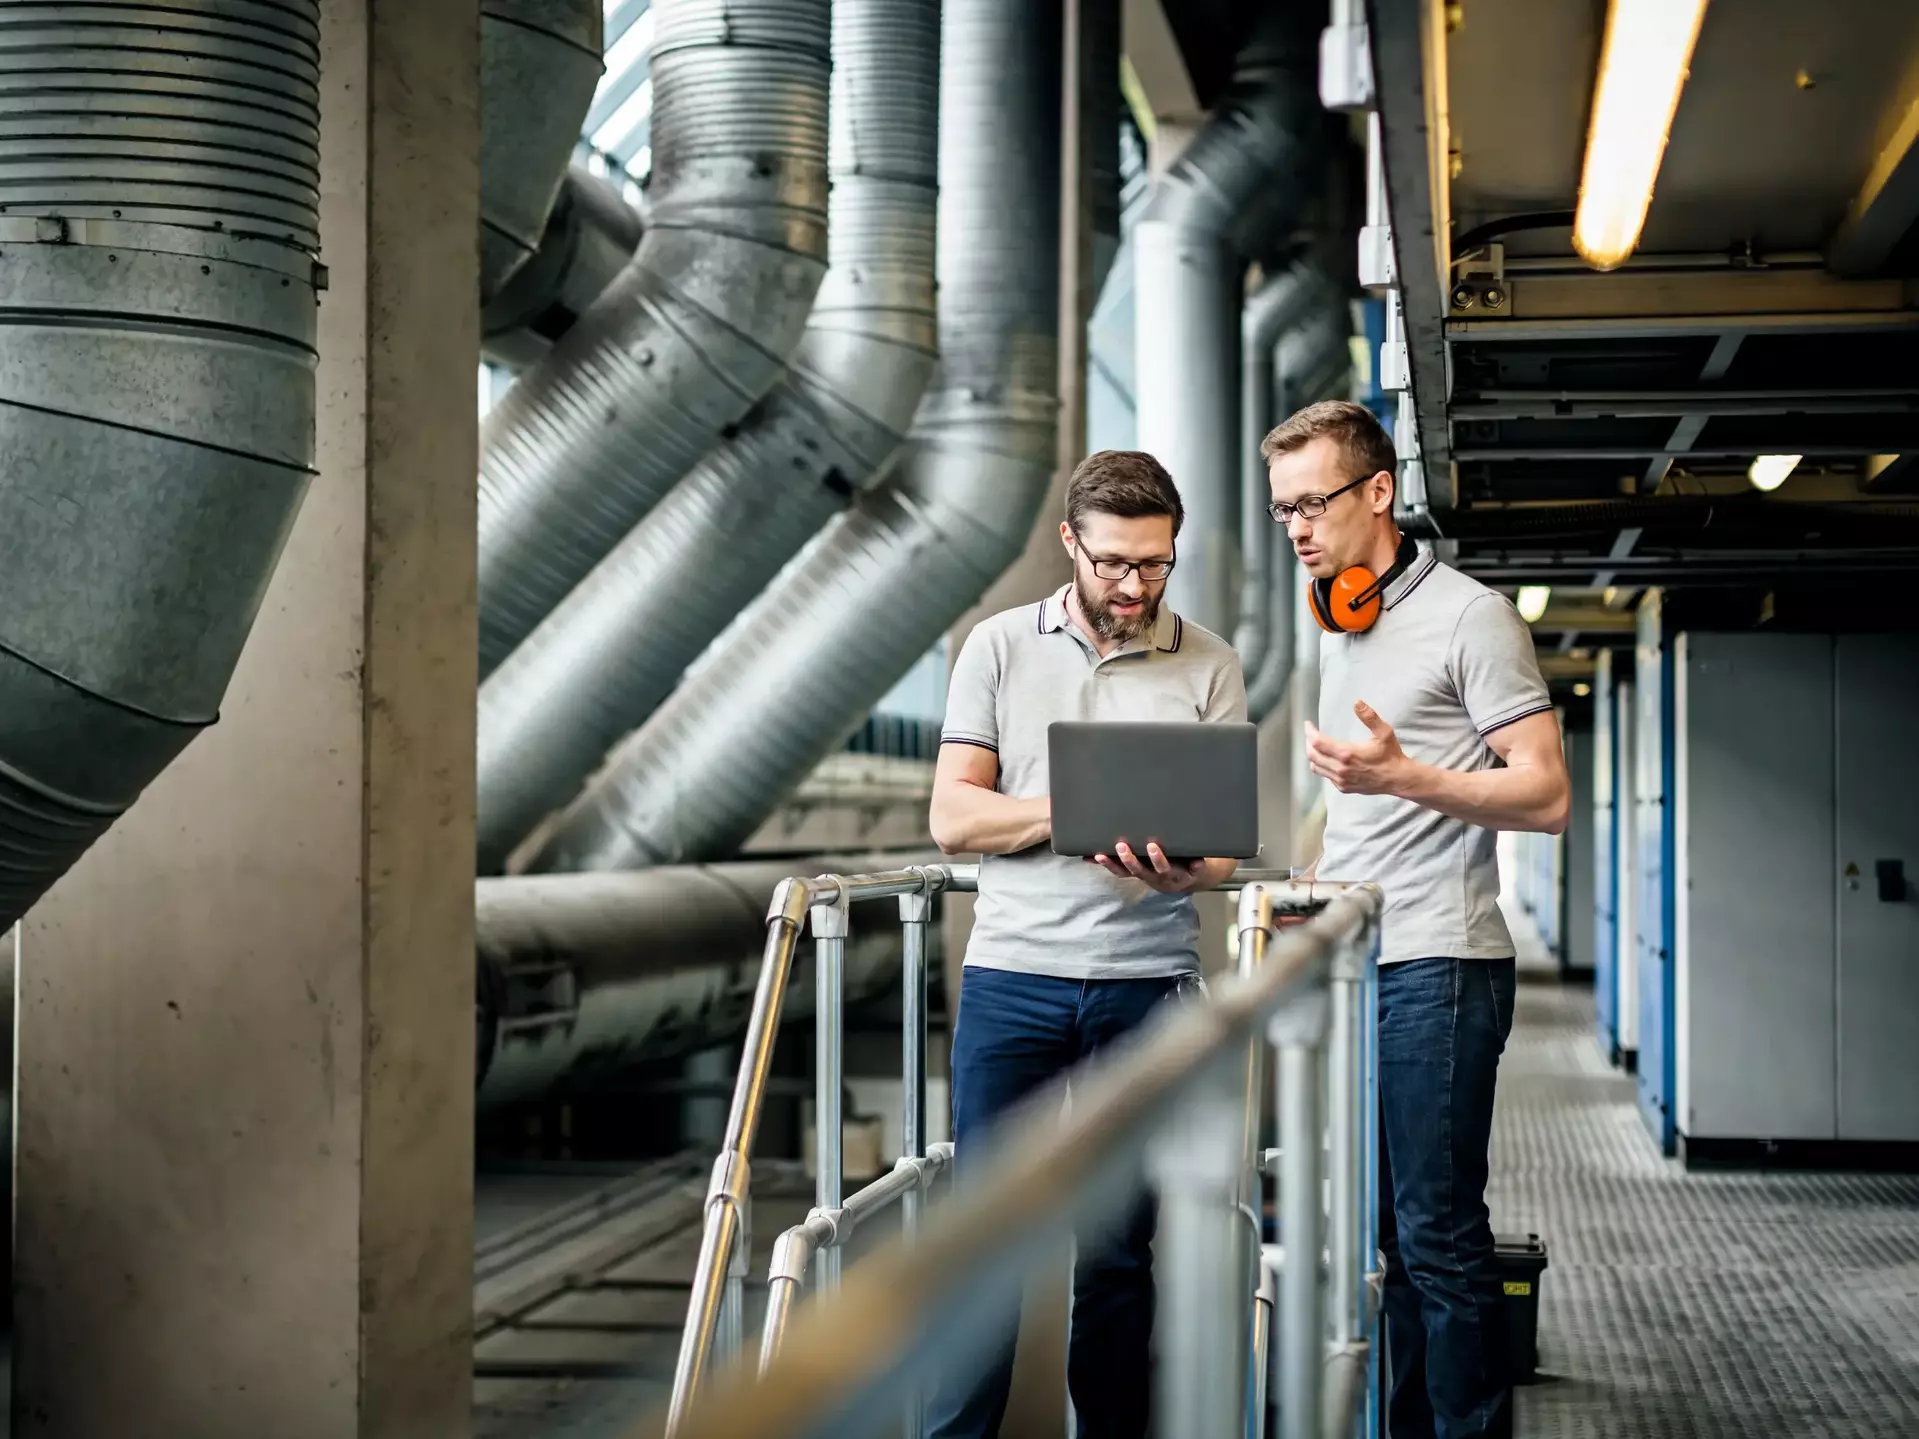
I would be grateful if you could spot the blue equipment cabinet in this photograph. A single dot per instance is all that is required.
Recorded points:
(1653, 908)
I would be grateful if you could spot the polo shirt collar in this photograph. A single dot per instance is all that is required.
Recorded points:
(1410, 580)
(1168, 630)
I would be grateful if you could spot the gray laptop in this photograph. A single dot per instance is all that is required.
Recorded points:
(1191, 788)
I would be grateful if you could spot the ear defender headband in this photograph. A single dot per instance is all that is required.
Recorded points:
(1349, 602)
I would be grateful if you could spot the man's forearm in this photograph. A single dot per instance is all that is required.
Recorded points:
(967, 819)
(1515, 798)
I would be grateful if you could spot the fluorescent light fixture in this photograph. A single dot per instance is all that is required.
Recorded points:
(1532, 601)
(1642, 69)
(1769, 472)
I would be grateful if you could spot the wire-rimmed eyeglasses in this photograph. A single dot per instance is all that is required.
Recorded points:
(1310, 507)
(1151, 571)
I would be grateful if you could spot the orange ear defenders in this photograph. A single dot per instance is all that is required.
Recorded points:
(1349, 602)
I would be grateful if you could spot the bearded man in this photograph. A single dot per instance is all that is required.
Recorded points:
(1068, 955)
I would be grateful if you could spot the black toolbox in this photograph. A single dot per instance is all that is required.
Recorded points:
(1520, 1263)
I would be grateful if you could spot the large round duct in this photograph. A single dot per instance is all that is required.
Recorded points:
(589, 238)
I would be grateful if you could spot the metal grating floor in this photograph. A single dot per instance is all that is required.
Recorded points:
(1693, 1306)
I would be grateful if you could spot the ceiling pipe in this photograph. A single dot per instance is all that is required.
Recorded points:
(159, 219)
(1241, 179)
(617, 645)
(806, 662)
(694, 331)
(590, 236)
(539, 66)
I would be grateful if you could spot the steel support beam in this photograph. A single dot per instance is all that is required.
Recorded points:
(1887, 205)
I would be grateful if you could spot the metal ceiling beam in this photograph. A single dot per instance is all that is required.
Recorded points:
(620, 19)
(1653, 404)
(1687, 431)
(1409, 82)
(1887, 205)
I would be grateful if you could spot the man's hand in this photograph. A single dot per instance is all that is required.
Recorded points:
(1159, 872)
(1373, 766)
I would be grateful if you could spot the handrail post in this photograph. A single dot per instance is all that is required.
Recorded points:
(1298, 1030)
(1194, 1163)
(727, 1192)
(830, 925)
(1369, 1177)
(1345, 1195)
(916, 912)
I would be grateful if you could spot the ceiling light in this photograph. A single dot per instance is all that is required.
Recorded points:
(1582, 689)
(1532, 601)
(1769, 472)
(1642, 69)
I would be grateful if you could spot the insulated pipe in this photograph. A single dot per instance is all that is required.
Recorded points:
(1250, 156)
(805, 663)
(1277, 307)
(694, 331)
(604, 659)
(581, 976)
(589, 238)
(159, 218)
(539, 66)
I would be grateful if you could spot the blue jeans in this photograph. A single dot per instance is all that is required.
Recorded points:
(1016, 1032)
(1442, 1026)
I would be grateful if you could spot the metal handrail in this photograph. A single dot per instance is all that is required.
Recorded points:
(850, 1359)
(715, 1311)
(827, 1228)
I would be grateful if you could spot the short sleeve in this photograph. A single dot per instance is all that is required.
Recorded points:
(1494, 665)
(1227, 701)
(972, 694)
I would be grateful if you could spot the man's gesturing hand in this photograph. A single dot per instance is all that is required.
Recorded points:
(1372, 766)
(1161, 873)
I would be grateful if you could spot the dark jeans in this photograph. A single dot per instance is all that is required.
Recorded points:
(1442, 1026)
(1017, 1031)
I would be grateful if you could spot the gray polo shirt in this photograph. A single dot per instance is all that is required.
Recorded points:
(1448, 662)
(1019, 671)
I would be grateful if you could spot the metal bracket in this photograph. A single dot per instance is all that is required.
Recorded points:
(917, 908)
(1376, 258)
(832, 918)
(1345, 68)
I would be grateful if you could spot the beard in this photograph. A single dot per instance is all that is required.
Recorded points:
(1106, 624)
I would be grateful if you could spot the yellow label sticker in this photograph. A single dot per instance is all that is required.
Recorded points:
(1518, 1286)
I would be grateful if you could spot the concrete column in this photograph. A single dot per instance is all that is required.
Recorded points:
(246, 1048)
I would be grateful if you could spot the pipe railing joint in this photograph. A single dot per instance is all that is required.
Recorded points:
(832, 913)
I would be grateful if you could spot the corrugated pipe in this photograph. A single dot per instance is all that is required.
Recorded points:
(590, 236)
(605, 658)
(694, 331)
(582, 976)
(805, 663)
(1251, 157)
(539, 66)
(1309, 363)
(159, 218)
(1282, 304)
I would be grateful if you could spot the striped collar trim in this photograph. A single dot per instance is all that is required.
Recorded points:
(1168, 631)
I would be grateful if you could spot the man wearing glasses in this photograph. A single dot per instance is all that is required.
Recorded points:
(1435, 730)
(1066, 955)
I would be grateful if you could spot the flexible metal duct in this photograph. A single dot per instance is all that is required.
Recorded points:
(1279, 306)
(539, 66)
(159, 190)
(581, 976)
(694, 331)
(1249, 160)
(604, 659)
(1309, 363)
(589, 238)
(805, 663)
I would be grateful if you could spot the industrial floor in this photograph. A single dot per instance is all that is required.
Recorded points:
(1692, 1305)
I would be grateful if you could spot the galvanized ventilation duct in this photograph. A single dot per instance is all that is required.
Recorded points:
(1310, 363)
(601, 662)
(159, 191)
(695, 330)
(589, 238)
(539, 65)
(583, 976)
(807, 661)
(1099, 40)
(1281, 305)
(1243, 177)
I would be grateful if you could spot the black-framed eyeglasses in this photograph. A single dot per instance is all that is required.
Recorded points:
(1151, 571)
(1310, 507)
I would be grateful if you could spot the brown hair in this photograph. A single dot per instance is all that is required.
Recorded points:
(1128, 483)
(1362, 440)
